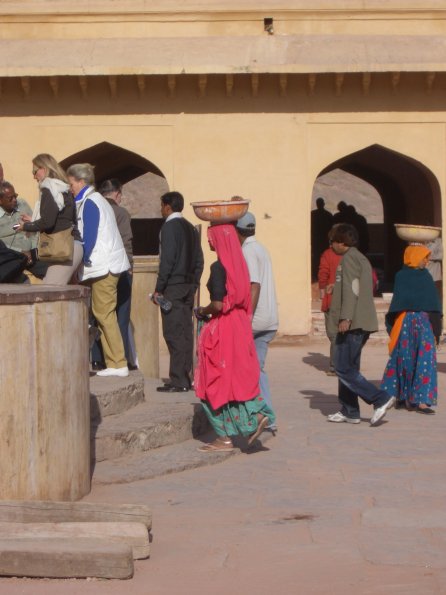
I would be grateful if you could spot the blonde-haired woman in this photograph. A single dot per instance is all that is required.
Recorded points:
(54, 211)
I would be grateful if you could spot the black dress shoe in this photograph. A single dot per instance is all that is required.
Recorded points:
(97, 366)
(169, 388)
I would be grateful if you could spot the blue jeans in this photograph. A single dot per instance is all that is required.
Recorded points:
(352, 383)
(261, 341)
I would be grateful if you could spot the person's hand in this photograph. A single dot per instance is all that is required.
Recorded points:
(154, 295)
(199, 314)
(329, 288)
(344, 326)
(25, 218)
(28, 256)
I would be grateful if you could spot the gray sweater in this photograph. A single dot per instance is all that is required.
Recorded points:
(353, 294)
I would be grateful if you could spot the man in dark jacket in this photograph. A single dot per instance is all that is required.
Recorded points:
(180, 269)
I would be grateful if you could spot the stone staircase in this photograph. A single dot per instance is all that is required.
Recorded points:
(318, 320)
(138, 433)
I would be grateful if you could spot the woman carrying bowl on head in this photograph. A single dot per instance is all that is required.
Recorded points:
(55, 211)
(227, 374)
(412, 320)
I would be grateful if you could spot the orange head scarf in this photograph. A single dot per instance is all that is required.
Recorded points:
(413, 255)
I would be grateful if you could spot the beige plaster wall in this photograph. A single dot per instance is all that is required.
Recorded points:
(63, 19)
(273, 159)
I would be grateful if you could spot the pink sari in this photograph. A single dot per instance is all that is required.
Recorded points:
(228, 368)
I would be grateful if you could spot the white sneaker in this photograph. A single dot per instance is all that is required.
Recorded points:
(114, 372)
(340, 417)
(381, 411)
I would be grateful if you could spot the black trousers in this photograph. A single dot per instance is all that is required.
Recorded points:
(178, 332)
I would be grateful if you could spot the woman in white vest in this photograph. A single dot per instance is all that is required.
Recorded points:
(104, 260)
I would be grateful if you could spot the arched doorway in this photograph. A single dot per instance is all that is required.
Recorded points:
(409, 191)
(143, 184)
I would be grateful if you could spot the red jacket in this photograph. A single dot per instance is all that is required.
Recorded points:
(327, 274)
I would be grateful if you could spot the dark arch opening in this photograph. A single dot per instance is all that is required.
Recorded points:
(111, 161)
(143, 184)
(409, 191)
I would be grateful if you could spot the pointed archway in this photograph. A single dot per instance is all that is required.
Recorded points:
(143, 184)
(111, 161)
(409, 191)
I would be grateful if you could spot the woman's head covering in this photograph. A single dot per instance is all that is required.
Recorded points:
(414, 255)
(223, 238)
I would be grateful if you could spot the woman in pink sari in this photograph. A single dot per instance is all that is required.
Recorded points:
(227, 374)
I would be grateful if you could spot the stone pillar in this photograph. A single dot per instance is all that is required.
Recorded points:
(44, 396)
(145, 315)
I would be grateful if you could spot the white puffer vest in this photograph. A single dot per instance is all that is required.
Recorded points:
(108, 255)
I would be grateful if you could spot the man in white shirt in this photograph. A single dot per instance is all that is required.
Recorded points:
(265, 320)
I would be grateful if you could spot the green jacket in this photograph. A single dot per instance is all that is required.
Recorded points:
(353, 294)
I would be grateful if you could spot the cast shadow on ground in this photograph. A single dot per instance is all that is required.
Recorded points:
(326, 403)
(317, 360)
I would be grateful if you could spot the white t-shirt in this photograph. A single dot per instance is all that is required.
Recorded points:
(266, 317)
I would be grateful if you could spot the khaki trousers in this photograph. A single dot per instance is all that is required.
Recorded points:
(103, 306)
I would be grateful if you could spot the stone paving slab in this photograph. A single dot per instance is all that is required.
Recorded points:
(303, 515)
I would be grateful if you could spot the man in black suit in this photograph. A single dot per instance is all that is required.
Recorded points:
(180, 269)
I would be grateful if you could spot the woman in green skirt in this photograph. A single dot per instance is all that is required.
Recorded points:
(227, 374)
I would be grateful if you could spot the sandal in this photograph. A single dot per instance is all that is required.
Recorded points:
(260, 427)
(425, 410)
(217, 446)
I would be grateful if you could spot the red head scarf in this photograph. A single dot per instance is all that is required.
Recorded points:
(224, 239)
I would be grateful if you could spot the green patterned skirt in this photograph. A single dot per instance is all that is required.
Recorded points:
(238, 417)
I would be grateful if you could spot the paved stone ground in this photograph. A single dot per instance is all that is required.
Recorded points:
(323, 509)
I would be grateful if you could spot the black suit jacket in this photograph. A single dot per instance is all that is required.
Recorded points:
(181, 256)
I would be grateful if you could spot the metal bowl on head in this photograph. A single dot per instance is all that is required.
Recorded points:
(220, 211)
(417, 233)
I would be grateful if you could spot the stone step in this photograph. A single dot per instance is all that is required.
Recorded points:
(50, 511)
(134, 535)
(114, 395)
(163, 419)
(65, 558)
(168, 459)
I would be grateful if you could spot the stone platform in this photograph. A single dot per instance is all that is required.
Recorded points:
(138, 433)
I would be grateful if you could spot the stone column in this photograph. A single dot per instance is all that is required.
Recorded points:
(145, 315)
(44, 397)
